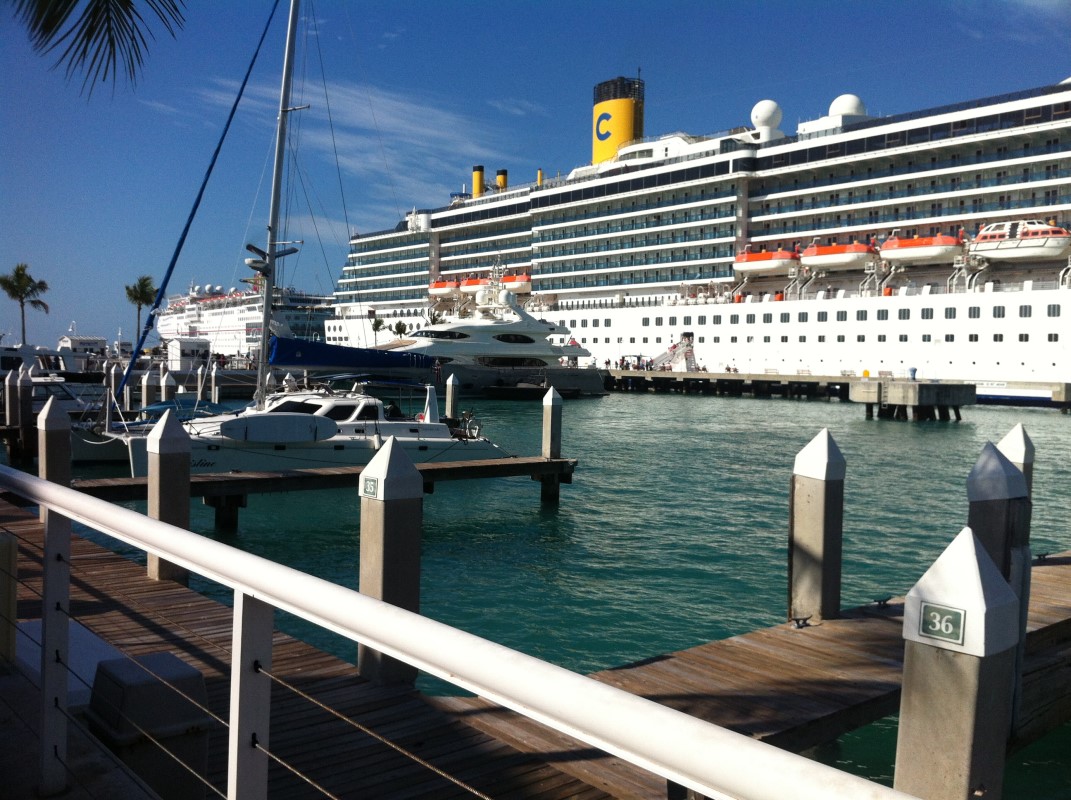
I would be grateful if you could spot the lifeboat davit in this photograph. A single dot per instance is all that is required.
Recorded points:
(518, 284)
(1022, 240)
(473, 285)
(443, 288)
(837, 256)
(766, 262)
(939, 249)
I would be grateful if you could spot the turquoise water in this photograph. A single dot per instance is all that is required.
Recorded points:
(674, 533)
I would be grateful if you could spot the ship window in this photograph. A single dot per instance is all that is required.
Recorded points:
(702, 320)
(715, 339)
(606, 323)
(821, 338)
(658, 320)
(802, 316)
(860, 338)
(927, 313)
(883, 314)
(767, 318)
(702, 339)
(974, 312)
(734, 319)
(750, 319)
(840, 337)
(1026, 311)
(903, 337)
(515, 338)
(823, 316)
(766, 339)
(1024, 337)
(903, 313)
(998, 312)
(803, 339)
(572, 323)
(973, 337)
(842, 316)
(950, 313)
(998, 337)
(732, 340)
(583, 323)
(750, 339)
(343, 413)
(429, 334)
(927, 338)
(881, 337)
(672, 321)
(950, 337)
(594, 323)
(716, 319)
(646, 321)
(296, 407)
(1054, 337)
(860, 315)
(786, 317)
(784, 339)
(1053, 310)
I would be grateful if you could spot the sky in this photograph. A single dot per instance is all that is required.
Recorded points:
(405, 97)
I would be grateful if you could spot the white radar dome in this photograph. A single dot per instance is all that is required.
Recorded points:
(766, 114)
(847, 105)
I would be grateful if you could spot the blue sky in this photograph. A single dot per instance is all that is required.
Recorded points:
(94, 191)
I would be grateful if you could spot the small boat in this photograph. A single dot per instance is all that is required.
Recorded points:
(766, 262)
(520, 283)
(473, 285)
(939, 249)
(837, 256)
(1022, 240)
(443, 288)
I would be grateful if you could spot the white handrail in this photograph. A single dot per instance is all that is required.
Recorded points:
(698, 755)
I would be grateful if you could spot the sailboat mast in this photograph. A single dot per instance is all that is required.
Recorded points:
(268, 281)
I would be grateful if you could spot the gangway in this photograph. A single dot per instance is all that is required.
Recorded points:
(680, 357)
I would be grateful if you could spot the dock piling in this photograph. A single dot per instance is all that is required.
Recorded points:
(168, 449)
(550, 492)
(392, 522)
(815, 529)
(961, 633)
(453, 389)
(1019, 449)
(11, 399)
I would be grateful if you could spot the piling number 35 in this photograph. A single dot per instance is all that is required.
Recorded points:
(942, 622)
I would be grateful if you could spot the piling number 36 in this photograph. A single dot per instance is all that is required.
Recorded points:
(941, 622)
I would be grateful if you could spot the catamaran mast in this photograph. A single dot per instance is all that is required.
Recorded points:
(270, 255)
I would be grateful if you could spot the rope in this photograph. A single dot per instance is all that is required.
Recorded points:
(377, 736)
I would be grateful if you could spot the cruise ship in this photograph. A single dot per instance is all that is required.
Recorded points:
(930, 244)
(229, 320)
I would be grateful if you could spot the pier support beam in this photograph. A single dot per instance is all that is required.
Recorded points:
(168, 449)
(392, 523)
(550, 491)
(961, 632)
(815, 528)
(226, 508)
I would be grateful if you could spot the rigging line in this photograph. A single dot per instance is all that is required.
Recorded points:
(331, 122)
(377, 736)
(161, 292)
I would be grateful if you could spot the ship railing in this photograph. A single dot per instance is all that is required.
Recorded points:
(656, 738)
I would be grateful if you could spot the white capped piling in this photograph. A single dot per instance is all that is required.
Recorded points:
(214, 381)
(167, 384)
(1019, 449)
(54, 442)
(27, 436)
(550, 490)
(199, 383)
(961, 632)
(999, 512)
(815, 530)
(168, 450)
(392, 522)
(453, 388)
(431, 407)
(11, 399)
(148, 388)
(112, 379)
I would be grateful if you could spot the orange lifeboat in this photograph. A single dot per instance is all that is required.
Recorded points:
(445, 288)
(837, 256)
(520, 283)
(1022, 240)
(765, 262)
(939, 249)
(473, 285)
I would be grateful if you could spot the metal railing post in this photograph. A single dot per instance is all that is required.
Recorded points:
(247, 761)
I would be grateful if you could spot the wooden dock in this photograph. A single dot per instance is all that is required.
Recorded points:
(791, 687)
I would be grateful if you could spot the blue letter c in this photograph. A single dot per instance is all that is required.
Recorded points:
(600, 134)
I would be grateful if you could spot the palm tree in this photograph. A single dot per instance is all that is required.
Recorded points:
(142, 293)
(377, 325)
(22, 288)
(105, 37)
(400, 329)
